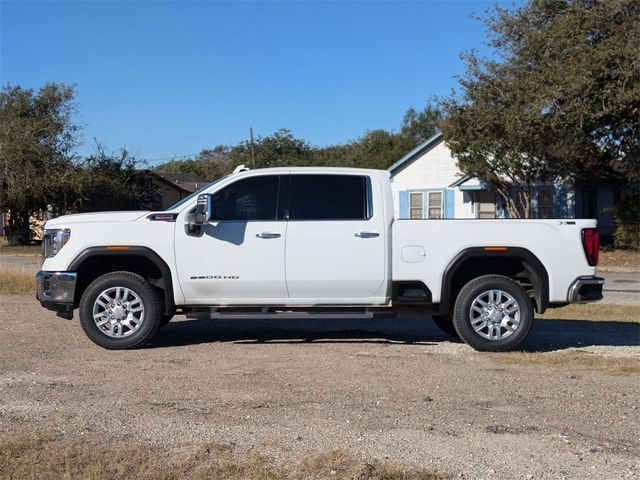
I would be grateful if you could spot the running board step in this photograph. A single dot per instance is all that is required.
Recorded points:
(291, 315)
(237, 314)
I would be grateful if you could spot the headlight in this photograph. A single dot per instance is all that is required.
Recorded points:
(53, 240)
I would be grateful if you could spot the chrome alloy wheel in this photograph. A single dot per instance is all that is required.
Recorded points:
(118, 312)
(494, 315)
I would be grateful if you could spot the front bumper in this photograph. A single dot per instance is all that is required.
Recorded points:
(56, 290)
(586, 289)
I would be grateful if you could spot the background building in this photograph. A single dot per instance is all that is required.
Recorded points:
(427, 183)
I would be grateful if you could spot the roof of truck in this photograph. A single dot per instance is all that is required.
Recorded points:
(336, 170)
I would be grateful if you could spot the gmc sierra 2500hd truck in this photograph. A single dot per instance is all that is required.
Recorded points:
(304, 242)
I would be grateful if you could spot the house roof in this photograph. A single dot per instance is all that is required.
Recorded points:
(416, 153)
(184, 181)
(460, 181)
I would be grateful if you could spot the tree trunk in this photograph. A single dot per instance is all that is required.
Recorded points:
(524, 201)
(518, 203)
(505, 192)
(18, 230)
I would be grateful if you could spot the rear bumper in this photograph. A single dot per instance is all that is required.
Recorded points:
(586, 289)
(56, 290)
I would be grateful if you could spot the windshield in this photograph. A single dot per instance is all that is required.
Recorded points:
(194, 194)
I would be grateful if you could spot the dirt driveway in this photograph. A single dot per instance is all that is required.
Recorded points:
(390, 389)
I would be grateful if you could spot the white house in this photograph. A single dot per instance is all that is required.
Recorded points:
(427, 183)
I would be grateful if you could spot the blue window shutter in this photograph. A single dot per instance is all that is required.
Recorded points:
(404, 204)
(449, 204)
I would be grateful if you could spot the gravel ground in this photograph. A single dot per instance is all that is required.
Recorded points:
(393, 389)
(622, 288)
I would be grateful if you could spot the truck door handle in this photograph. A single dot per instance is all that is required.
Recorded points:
(367, 234)
(268, 235)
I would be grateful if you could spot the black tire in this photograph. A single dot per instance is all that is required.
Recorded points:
(445, 323)
(462, 313)
(164, 320)
(152, 311)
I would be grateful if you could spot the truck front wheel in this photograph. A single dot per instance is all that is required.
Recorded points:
(120, 310)
(493, 313)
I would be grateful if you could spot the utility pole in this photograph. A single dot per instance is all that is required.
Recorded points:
(253, 150)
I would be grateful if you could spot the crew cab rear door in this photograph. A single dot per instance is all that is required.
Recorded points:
(335, 239)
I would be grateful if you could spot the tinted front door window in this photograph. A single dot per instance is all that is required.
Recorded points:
(254, 198)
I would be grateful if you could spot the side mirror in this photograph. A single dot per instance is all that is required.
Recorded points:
(201, 216)
(204, 209)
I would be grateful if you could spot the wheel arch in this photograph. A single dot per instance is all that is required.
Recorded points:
(517, 263)
(96, 261)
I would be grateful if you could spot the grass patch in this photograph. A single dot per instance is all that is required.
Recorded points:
(17, 281)
(43, 455)
(619, 258)
(594, 312)
(30, 250)
(573, 359)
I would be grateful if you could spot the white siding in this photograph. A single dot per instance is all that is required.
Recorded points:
(464, 205)
(436, 168)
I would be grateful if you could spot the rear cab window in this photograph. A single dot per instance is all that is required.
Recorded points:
(329, 197)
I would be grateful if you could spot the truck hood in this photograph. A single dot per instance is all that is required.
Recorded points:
(98, 217)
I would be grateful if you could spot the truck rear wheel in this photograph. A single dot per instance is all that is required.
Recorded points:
(493, 313)
(120, 310)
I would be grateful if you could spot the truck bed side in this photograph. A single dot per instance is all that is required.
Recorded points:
(423, 249)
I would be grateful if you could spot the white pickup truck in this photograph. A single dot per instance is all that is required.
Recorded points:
(303, 242)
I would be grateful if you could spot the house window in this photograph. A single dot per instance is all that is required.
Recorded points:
(435, 205)
(416, 205)
(545, 202)
(486, 204)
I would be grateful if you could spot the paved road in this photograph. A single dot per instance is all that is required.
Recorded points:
(622, 288)
(20, 261)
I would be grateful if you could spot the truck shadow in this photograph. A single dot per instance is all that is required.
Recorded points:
(546, 335)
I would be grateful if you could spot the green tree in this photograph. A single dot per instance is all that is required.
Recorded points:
(419, 126)
(37, 137)
(281, 149)
(379, 149)
(560, 99)
(112, 181)
(627, 218)
(210, 163)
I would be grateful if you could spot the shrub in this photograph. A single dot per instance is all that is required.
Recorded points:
(627, 218)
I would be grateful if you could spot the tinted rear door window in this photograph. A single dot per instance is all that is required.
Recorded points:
(327, 197)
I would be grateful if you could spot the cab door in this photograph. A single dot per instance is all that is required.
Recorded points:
(240, 253)
(335, 240)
